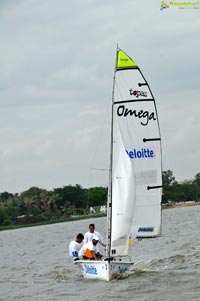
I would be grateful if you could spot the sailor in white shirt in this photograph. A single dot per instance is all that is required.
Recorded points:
(91, 233)
(75, 246)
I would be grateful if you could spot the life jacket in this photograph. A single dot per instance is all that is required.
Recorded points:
(89, 254)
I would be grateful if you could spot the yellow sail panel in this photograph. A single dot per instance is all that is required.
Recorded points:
(124, 61)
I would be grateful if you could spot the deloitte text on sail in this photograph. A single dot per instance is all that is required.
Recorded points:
(143, 153)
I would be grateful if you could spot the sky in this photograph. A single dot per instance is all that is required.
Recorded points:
(56, 71)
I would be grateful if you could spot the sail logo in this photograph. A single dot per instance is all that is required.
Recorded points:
(143, 153)
(89, 269)
(146, 115)
(146, 229)
(138, 93)
(122, 269)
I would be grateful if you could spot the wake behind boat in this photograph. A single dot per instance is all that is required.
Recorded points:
(135, 174)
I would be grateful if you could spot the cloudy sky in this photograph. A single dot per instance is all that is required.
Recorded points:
(56, 68)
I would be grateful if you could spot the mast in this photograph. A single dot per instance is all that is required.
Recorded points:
(109, 202)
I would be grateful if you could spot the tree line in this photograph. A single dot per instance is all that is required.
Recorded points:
(188, 190)
(37, 205)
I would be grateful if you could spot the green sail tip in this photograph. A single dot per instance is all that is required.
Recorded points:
(124, 61)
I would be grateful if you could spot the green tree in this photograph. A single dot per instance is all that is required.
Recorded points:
(5, 196)
(168, 185)
(73, 194)
(168, 178)
(197, 179)
(3, 216)
(32, 192)
(97, 196)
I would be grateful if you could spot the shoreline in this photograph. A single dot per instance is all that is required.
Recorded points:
(58, 221)
(180, 205)
(74, 218)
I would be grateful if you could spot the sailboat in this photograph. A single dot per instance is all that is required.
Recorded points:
(135, 174)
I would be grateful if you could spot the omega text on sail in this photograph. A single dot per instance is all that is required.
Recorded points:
(145, 115)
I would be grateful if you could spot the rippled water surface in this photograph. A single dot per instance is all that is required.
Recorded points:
(34, 263)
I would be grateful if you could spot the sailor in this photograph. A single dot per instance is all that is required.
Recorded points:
(91, 233)
(75, 246)
(89, 250)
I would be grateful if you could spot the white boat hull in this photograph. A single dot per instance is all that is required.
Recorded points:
(103, 270)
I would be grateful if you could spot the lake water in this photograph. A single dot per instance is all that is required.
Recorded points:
(34, 263)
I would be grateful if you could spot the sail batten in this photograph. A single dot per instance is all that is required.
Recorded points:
(135, 100)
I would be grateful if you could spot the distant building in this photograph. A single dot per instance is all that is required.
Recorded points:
(98, 209)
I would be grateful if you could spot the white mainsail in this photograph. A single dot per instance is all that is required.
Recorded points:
(136, 178)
